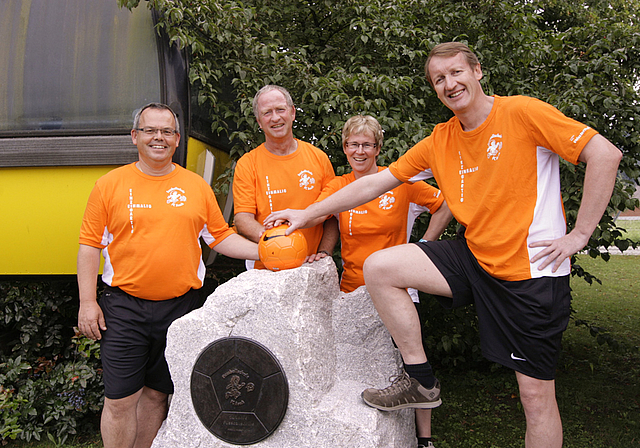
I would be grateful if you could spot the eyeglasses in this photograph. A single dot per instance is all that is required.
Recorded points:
(354, 145)
(167, 132)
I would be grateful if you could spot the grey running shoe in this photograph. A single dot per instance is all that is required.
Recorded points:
(404, 392)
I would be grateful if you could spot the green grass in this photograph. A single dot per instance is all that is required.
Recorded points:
(632, 227)
(614, 304)
(597, 387)
(81, 442)
(602, 391)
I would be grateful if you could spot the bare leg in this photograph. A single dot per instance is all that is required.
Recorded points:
(423, 422)
(544, 426)
(387, 274)
(133, 421)
(152, 410)
(118, 422)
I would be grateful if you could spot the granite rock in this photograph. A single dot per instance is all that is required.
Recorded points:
(331, 346)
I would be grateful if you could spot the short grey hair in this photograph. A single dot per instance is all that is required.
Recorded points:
(269, 88)
(159, 106)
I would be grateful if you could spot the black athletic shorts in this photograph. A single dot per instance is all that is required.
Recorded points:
(132, 346)
(521, 322)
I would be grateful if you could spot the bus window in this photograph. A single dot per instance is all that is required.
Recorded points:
(74, 67)
(72, 74)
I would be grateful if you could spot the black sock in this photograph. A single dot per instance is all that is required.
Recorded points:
(424, 441)
(422, 373)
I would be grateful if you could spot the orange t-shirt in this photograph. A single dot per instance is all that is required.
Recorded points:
(264, 183)
(378, 224)
(502, 180)
(148, 228)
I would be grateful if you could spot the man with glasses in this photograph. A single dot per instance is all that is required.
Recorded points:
(147, 218)
(280, 173)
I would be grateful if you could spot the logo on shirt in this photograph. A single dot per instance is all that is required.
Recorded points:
(354, 212)
(575, 139)
(132, 206)
(271, 192)
(306, 180)
(386, 201)
(463, 172)
(176, 197)
(494, 147)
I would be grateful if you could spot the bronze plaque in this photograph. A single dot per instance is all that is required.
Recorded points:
(239, 390)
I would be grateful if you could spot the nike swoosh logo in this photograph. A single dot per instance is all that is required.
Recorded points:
(267, 238)
(514, 357)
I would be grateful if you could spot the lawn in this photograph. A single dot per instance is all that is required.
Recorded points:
(632, 227)
(597, 387)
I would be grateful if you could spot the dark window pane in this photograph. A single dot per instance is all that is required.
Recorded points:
(74, 66)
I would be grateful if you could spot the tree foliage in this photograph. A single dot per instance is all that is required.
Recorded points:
(50, 379)
(339, 58)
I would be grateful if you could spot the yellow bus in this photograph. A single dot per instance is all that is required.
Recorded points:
(72, 74)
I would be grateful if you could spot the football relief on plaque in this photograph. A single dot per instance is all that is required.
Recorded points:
(239, 390)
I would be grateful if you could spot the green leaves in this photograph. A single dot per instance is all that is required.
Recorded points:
(50, 379)
(342, 58)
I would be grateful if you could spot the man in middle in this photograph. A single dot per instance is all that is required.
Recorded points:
(281, 173)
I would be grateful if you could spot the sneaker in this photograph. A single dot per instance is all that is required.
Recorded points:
(428, 445)
(404, 392)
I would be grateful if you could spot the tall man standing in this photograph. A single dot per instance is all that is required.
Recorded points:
(280, 173)
(496, 163)
(146, 218)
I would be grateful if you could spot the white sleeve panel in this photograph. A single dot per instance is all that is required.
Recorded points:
(548, 216)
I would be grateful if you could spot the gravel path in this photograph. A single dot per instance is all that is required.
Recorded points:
(615, 251)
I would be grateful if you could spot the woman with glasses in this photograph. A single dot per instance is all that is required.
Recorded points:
(383, 222)
(387, 220)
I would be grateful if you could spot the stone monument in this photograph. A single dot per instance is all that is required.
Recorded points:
(330, 345)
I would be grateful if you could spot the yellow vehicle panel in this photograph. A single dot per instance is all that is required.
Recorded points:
(41, 209)
(209, 163)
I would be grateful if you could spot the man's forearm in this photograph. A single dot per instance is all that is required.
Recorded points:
(235, 246)
(330, 235)
(90, 317)
(88, 267)
(248, 227)
(438, 222)
(602, 159)
(356, 193)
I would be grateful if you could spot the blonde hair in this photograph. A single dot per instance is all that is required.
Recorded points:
(363, 124)
(448, 49)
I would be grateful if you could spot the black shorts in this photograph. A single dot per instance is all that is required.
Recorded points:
(132, 346)
(521, 322)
